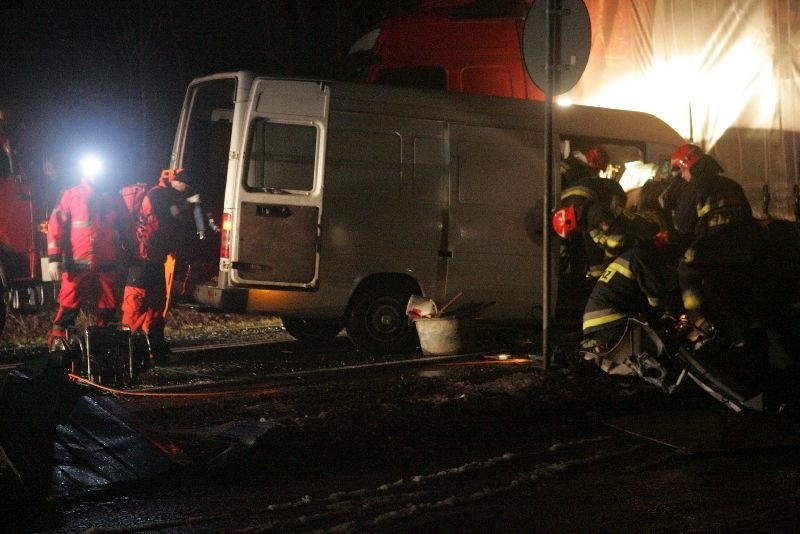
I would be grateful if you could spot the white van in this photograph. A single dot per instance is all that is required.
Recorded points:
(338, 201)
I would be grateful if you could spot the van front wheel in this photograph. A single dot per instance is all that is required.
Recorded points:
(377, 321)
(313, 332)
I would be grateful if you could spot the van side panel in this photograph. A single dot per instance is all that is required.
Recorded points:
(496, 214)
(386, 188)
(386, 193)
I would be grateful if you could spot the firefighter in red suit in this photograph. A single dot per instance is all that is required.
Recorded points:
(88, 232)
(160, 233)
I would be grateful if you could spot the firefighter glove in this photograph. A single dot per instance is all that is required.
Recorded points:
(55, 270)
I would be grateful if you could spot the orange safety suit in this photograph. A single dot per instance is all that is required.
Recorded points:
(145, 297)
(88, 231)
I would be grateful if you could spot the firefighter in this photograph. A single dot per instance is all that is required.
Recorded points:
(615, 233)
(714, 221)
(589, 200)
(606, 229)
(668, 198)
(161, 235)
(88, 235)
(579, 165)
(633, 285)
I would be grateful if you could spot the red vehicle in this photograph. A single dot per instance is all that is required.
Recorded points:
(468, 46)
(21, 242)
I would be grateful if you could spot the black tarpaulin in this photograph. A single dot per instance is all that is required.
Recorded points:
(96, 449)
(64, 440)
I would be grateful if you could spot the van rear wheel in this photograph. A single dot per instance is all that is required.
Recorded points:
(313, 331)
(377, 321)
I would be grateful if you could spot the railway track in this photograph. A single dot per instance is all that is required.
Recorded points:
(245, 363)
(280, 377)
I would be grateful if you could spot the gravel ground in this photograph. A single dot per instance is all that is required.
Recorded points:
(186, 325)
(477, 445)
(472, 446)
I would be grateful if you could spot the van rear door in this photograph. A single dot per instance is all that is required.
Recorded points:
(279, 196)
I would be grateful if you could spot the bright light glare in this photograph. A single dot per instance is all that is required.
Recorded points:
(726, 79)
(564, 101)
(91, 166)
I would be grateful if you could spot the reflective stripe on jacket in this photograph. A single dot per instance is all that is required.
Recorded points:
(630, 284)
(87, 226)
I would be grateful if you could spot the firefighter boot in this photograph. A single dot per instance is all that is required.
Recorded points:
(160, 352)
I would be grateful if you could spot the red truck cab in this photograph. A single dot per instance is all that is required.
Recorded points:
(20, 239)
(468, 46)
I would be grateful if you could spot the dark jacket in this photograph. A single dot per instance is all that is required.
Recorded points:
(595, 199)
(710, 202)
(632, 284)
(161, 230)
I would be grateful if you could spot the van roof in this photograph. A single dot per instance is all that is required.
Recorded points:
(501, 111)
(468, 108)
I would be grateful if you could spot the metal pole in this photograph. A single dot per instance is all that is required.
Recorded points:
(550, 32)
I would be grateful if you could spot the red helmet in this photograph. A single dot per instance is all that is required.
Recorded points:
(661, 240)
(565, 220)
(167, 175)
(597, 158)
(686, 156)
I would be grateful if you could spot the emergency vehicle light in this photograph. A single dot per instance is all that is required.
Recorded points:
(91, 166)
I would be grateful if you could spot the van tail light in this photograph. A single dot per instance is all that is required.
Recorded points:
(224, 242)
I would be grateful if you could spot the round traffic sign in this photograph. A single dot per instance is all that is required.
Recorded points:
(572, 34)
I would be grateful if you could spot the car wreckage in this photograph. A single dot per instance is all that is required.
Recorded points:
(734, 373)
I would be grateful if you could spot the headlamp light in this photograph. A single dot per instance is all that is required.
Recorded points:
(91, 166)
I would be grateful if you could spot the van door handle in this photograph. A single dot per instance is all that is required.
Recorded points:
(281, 212)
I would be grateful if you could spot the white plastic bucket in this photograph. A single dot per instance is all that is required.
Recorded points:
(420, 307)
(441, 336)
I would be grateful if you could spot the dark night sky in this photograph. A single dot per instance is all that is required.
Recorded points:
(110, 75)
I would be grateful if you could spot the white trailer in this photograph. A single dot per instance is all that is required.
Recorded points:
(338, 201)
